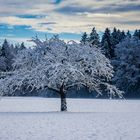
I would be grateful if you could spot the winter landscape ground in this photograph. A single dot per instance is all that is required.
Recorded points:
(33, 118)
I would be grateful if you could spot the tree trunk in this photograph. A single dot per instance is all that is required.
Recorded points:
(63, 99)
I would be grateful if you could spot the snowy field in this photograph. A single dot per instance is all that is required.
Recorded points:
(87, 119)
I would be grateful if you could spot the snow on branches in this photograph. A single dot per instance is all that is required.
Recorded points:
(53, 63)
(127, 63)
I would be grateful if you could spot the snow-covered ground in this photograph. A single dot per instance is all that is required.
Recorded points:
(87, 119)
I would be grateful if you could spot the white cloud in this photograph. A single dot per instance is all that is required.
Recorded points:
(72, 23)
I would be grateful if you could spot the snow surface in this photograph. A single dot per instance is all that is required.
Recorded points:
(31, 118)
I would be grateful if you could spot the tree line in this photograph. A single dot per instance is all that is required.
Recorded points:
(123, 50)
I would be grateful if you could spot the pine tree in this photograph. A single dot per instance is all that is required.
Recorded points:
(128, 34)
(7, 55)
(106, 50)
(94, 38)
(107, 44)
(22, 46)
(123, 35)
(115, 36)
(119, 36)
(136, 34)
(5, 45)
(84, 38)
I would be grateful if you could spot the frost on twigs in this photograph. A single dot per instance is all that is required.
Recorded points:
(113, 91)
(53, 62)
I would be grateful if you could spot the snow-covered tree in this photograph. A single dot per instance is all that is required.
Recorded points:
(127, 65)
(18, 47)
(84, 38)
(6, 56)
(94, 38)
(59, 66)
(3, 63)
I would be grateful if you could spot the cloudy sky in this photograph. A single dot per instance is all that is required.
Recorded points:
(23, 19)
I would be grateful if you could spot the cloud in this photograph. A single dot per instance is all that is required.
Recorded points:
(73, 9)
(119, 8)
(48, 23)
(111, 8)
(67, 17)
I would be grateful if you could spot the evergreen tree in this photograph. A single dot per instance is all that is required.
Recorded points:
(7, 55)
(94, 38)
(106, 49)
(123, 35)
(107, 44)
(84, 38)
(128, 34)
(22, 46)
(5, 45)
(136, 34)
(115, 36)
(119, 36)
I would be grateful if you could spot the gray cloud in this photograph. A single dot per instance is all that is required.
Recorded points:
(70, 16)
(48, 23)
(73, 9)
(135, 22)
(104, 9)
(120, 8)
